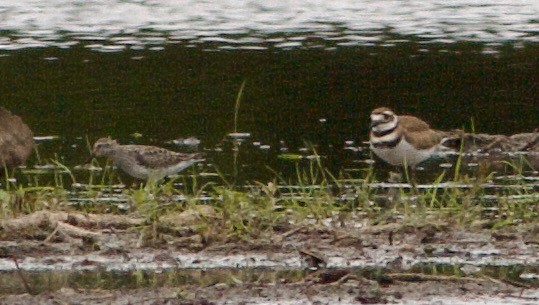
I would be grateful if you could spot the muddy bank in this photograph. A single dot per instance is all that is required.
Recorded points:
(75, 241)
(400, 248)
(48, 258)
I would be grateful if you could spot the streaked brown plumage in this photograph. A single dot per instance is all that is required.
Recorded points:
(142, 161)
(16, 140)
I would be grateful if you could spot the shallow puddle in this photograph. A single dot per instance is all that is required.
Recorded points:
(49, 281)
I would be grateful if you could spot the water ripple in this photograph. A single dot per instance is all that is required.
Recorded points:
(132, 23)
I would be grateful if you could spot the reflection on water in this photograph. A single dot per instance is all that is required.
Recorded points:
(119, 25)
(102, 278)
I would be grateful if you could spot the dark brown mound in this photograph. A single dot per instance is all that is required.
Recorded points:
(487, 143)
(16, 140)
(496, 147)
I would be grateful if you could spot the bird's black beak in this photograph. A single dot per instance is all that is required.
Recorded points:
(372, 124)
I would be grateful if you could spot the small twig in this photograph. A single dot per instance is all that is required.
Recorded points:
(23, 279)
(516, 284)
(508, 282)
(417, 277)
(312, 275)
(292, 232)
(163, 300)
(531, 144)
(50, 236)
(345, 279)
(74, 231)
(220, 247)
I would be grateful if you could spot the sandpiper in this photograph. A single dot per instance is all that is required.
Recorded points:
(16, 140)
(402, 139)
(144, 162)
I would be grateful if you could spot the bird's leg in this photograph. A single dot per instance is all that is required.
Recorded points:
(136, 184)
(395, 193)
(410, 175)
(412, 180)
(151, 184)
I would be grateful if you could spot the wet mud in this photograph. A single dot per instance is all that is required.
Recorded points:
(74, 258)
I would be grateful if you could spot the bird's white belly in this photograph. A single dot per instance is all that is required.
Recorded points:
(145, 173)
(403, 153)
(135, 170)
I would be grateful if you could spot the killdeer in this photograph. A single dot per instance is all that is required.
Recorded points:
(144, 162)
(401, 139)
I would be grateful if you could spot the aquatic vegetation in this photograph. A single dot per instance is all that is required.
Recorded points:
(199, 211)
(217, 207)
(313, 196)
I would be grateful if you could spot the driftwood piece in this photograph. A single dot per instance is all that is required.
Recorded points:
(418, 277)
(487, 143)
(74, 231)
(75, 224)
(532, 145)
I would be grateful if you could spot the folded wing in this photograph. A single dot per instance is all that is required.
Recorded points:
(156, 157)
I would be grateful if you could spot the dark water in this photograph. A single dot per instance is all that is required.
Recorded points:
(313, 73)
(319, 96)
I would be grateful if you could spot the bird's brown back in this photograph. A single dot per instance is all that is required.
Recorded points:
(156, 157)
(418, 132)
